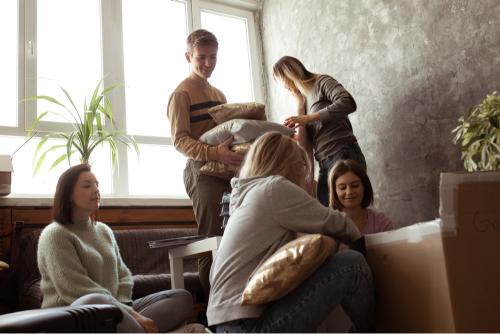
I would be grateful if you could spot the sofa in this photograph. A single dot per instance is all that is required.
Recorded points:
(150, 267)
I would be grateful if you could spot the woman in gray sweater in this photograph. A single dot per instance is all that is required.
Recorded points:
(323, 108)
(80, 262)
(268, 207)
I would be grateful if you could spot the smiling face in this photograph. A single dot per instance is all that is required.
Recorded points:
(350, 190)
(85, 196)
(203, 60)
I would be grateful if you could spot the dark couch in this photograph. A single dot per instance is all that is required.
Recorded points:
(150, 267)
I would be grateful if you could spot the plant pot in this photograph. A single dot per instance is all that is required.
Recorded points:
(5, 174)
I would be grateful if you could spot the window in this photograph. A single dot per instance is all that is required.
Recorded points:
(8, 63)
(139, 44)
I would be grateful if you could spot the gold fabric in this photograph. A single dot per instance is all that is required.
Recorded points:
(228, 111)
(218, 169)
(288, 268)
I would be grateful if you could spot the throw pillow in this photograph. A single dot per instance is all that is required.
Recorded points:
(228, 111)
(218, 169)
(288, 268)
(242, 130)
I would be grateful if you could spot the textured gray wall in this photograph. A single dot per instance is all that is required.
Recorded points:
(413, 66)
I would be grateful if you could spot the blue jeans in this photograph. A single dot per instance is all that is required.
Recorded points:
(350, 151)
(345, 278)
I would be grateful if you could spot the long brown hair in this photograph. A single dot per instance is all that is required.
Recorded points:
(289, 69)
(62, 209)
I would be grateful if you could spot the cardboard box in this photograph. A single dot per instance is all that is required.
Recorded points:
(5, 174)
(444, 275)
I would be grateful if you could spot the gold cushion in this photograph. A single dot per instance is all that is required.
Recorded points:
(218, 169)
(228, 111)
(288, 268)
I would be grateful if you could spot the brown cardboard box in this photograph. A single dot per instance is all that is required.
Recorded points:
(444, 275)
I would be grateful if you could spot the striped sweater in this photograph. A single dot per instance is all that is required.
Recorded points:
(187, 113)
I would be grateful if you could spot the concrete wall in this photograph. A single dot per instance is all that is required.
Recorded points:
(413, 67)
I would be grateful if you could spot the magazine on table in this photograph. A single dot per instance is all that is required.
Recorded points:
(177, 241)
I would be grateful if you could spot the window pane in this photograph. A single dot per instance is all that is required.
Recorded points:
(44, 182)
(159, 171)
(154, 33)
(8, 62)
(68, 50)
(233, 72)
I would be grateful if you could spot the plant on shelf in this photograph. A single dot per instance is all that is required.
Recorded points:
(91, 127)
(478, 135)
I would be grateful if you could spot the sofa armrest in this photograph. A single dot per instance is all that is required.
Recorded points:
(79, 319)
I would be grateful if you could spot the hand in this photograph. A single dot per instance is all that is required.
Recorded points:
(226, 156)
(296, 121)
(146, 323)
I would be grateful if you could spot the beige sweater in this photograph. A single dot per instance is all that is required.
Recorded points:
(78, 259)
(189, 119)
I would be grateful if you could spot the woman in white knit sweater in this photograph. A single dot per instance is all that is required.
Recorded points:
(80, 262)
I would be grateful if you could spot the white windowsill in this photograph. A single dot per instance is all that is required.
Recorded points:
(41, 200)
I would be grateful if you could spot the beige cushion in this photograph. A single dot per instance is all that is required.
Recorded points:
(228, 111)
(217, 168)
(288, 268)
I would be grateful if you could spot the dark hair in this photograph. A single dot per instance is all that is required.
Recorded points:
(340, 168)
(62, 209)
(200, 37)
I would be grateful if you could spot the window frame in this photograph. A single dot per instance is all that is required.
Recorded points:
(113, 66)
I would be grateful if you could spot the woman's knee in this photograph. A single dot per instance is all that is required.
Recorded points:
(94, 298)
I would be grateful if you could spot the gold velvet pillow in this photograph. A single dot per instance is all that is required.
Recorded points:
(218, 169)
(228, 111)
(287, 268)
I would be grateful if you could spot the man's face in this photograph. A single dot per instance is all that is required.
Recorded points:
(203, 60)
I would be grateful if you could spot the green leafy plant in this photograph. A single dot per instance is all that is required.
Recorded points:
(478, 135)
(91, 127)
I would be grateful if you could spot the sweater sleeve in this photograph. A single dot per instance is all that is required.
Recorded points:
(60, 263)
(125, 283)
(295, 210)
(180, 127)
(342, 103)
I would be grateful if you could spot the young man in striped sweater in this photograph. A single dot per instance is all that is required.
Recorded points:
(189, 119)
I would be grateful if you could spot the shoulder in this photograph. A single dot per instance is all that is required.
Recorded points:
(53, 230)
(379, 221)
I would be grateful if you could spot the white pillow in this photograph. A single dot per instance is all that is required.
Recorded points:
(243, 131)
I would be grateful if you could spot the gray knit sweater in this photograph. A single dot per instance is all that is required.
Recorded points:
(78, 259)
(265, 214)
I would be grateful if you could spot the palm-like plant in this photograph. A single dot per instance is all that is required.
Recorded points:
(91, 128)
(479, 135)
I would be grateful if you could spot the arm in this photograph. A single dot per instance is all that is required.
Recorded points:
(295, 210)
(125, 281)
(342, 103)
(180, 126)
(305, 143)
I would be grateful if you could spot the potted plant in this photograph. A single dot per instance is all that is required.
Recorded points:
(91, 127)
(478, 135)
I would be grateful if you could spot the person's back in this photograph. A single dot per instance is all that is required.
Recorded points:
(269, 205)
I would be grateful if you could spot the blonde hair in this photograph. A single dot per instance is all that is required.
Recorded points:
(276, 154)
(289, 69)
(200, 37)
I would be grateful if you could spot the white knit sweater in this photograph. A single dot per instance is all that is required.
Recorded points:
(78, 259)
